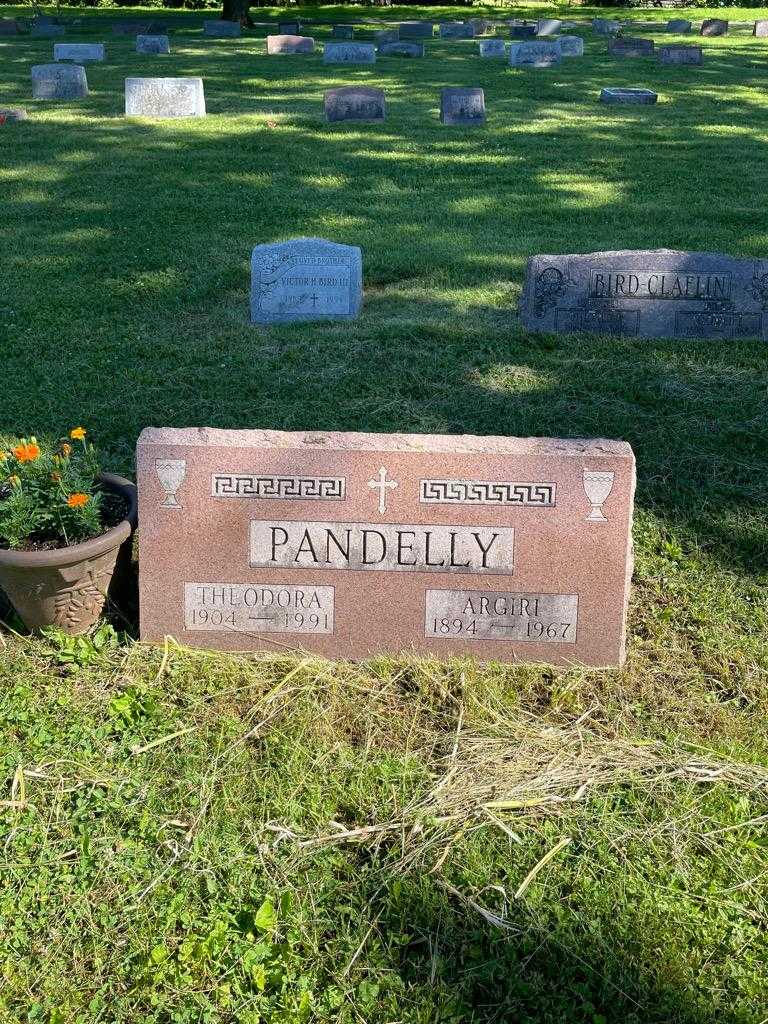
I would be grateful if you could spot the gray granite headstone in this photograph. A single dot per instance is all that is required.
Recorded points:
(401, 49)
(606, 27)
(78, 52)
(714, 27)
(305, 279)
(12, 114)
(387, 35)
(164, 97)
(462, 106)
(628, 47)
(221, 29)
(480, 25)
(289, 28)
(522, 32)
(153, 44)
(456, 30)
(760, 29)
(59, 82)
(355, 103)
(680, 26)
(130, 28)
(343, 32)
(548, 26)
(349, 53)
(493, 48)
(571, 46)
(644, 97)
(290, 44)
(8, 27)
(657, 293)
(416, 30)
(680, 55)
(535, 54)
(48, 31)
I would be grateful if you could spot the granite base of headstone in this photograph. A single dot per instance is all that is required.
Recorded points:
(760, 29)
(548, 26)
(308, 279)
(659, 293)
(679, 26)
(153, 44)
(356, 545)
(78, 53)
(680, 55)
(571, 46)
(416, 30)
(628, 47)
(459, 105)
(493, 48)
(164, 98)
(643, 97)
(403, 48)
(535, 54)
(222, 29)
(714, 27)
(355, 103)
(349, 53)
(456, 30)
(287, 44)
(59, 82)
(343, 32)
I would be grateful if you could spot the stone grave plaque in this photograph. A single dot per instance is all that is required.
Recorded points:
(78, 52)
(290, 44)
(680, 26)
(522, 32)
(349, 53)
(493, 48)
(680, 55)
(657, 293)
(59, 82)
(8, 114)
(353, 545)
(714, 27)
(343, 32)
(387, 35)
(164, 97)
(401, 49)
(355, 103)
(310, 278)
(222, 29)
(480, 25)
(416, 30)
(571, 46)
(289, 28)
(462, 106)
(548, 26)
(153, 44)
(626, 47)
(535, 54)
(760, 29)
(606, 27)
(456, 30)
(644, 97)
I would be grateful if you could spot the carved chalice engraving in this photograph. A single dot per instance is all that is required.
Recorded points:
(597, 486)
(171, 473)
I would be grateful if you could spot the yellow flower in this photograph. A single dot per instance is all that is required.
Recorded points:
(14, 480)
(78, 500)
(78, 433)
(3, 456)
(26, 452)
(66, 449)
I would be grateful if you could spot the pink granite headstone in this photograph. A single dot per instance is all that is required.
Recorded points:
(350, 545)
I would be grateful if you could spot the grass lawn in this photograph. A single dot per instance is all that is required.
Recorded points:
(193, 838)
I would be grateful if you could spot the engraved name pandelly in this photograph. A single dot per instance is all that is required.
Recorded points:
(291, 488)
(486, 492)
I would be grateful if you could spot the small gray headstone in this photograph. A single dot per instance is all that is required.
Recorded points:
(355, 103)
(343, 32)
(657, 293)
(290, 44)
(401, 49)
(493, 48)
(627, 47)
(606, 27)
(456, 30)
(642, 96)
(12, 114)
(305, 279)
(548, 26)
(47, 31)
(523, 32)
(462, 106)
(480, 25)
(680, 26)
(164, 97)
(130, 28)
(535, 54)
(8, 27)
(760, 29)
(153, 44)
(59, 82)
(714, 27)
(571, 46)
(289, 28)
(680, 55)
(78, 52)
(416, 30)
(349, 53)
(387, 35)
(221, 29)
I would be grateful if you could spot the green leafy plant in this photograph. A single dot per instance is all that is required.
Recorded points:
(49, 495)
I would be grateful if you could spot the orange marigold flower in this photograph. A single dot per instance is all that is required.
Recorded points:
(26, 452)
(78, 500)
(78, 433)
(66, 449)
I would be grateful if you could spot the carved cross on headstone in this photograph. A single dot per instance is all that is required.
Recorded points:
(381, 485)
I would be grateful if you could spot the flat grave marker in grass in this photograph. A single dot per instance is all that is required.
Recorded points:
(627, 47)
(493, 48)
(714, 27)
(289, 28)
(59, 82)
(164, 97)
(416, 30)
(311, 278)
(643, 97)
(349, 53)
(679, 26)
(680, 55)
(657, 293)
(12, 114)
(343, 32)
(351, 545)
(522, 32)
(78, 52)
(403, 48)
(459, 105)
(221, 29)
(153, 44)
(535, 54)
(283, 44)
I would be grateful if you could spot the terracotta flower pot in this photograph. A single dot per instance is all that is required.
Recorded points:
(67, 587)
